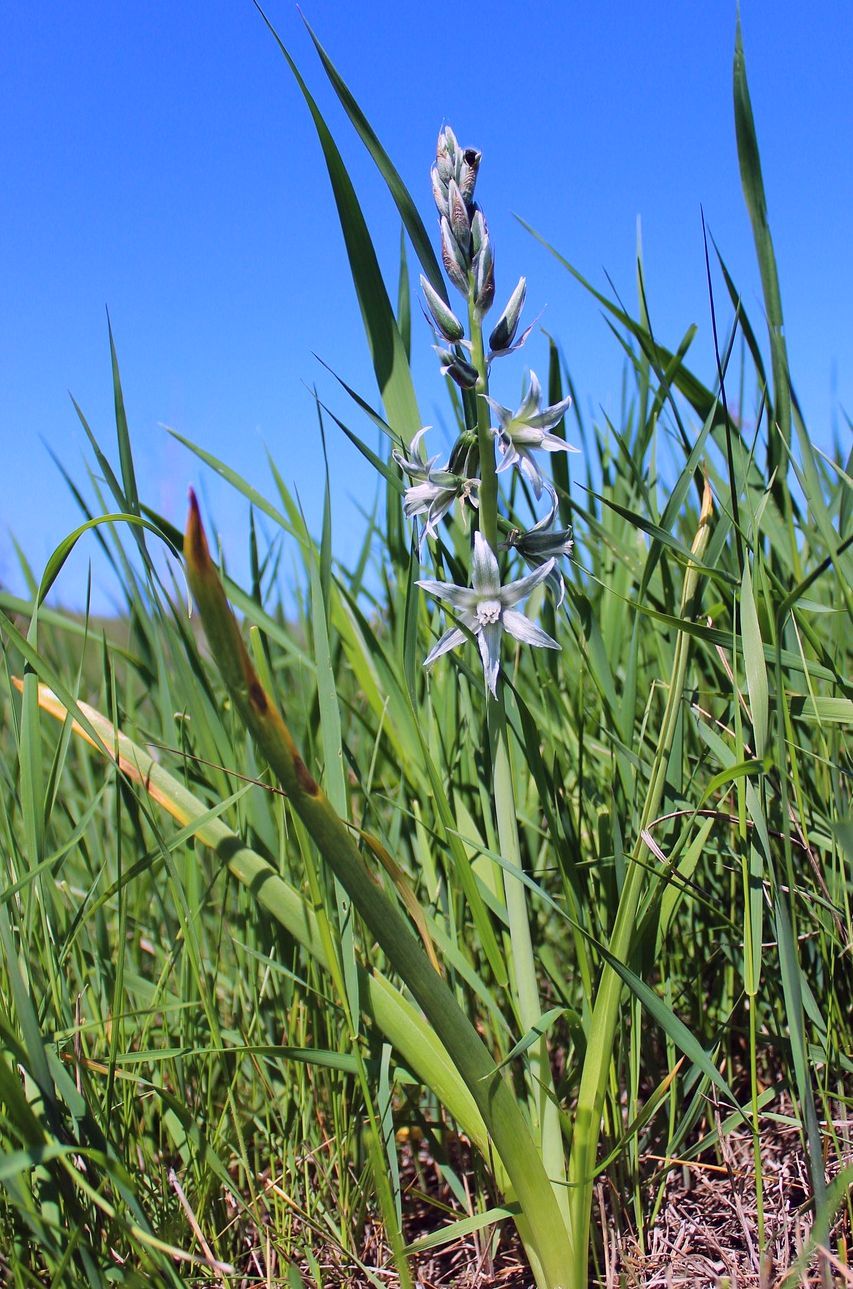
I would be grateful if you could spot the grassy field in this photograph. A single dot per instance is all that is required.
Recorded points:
(319, 966)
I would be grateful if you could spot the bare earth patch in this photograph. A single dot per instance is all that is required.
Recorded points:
(706, 1234)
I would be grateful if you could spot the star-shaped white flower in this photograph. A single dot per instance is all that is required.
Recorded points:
(521, 433)
(435, 490)
(486, 610)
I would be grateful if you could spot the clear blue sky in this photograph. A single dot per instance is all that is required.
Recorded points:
(158, 159)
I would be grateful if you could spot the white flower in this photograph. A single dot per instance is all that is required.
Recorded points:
(520, 433)
(486, 610)
(415, 466)
(435, 490)
(435, 496)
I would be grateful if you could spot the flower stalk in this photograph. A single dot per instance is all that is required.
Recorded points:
(485, 609)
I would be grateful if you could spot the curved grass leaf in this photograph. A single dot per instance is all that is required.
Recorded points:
(386, 344)
(412, 221)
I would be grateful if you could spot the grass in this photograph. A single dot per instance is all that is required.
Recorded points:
(278, 902)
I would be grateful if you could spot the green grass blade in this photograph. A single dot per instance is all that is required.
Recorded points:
(412, 221)
(386, 344)
(753, 188)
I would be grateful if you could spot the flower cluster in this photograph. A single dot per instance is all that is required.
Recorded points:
(486, 608)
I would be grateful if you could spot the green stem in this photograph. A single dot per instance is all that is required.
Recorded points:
(488, 470)
(756, 1128)
(542, 1102)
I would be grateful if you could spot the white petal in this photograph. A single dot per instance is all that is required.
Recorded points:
(515, 591)
(510, 456)
(528, 467)
(557, 587)
(547, 519)
(523, 436)
(553, 443)
(485, 575)
(489, 640)
(439, 508)
(444, 644)
(530, 402)
(526, 631)
(413, 446)
(461, 597)
(418, 498)
(504, 415)
(550, 416)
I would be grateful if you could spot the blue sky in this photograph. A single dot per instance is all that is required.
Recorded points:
(157, 159)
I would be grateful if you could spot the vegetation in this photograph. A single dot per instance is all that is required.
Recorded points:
(279, 901)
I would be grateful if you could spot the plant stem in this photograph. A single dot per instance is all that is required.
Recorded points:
(488, 474)
(542, 1104)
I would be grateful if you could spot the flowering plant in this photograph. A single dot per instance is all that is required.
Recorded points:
(468, 257)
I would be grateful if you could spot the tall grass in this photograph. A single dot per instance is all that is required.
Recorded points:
(274, 893)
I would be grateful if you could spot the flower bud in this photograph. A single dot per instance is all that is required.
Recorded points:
(465, 455)
(484, 269)
(450, 142)
(443, 316)
(446, 154)
(544, 544)
(479, 231)
(468, 173)
(454, 261)
(439, 192)
(460, 222)
(457, 368)
(507, 324)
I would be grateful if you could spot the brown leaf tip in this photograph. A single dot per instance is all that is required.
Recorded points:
(196, 550)
(303, 777)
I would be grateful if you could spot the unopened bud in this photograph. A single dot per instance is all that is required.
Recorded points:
(454, 261)
(445, 153)
(484, 269)
(468, 173)
(479, 231)
(465, 455)
(442, 315)
(507, 324)
(457, 368)
(439, 192)
(460, 222)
